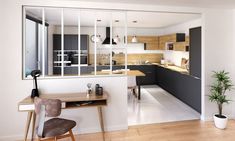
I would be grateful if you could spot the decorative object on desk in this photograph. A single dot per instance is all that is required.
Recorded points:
(89, 89)
(35, 74)
(98, 89)
(218, 89)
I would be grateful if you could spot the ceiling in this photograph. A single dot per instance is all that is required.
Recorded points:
(189, 3)
(88, 17)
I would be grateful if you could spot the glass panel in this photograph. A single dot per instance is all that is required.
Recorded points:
(54, 42)
(87, 22)
(71, 40)
(32, 41)
(118, 50)
(103, 30)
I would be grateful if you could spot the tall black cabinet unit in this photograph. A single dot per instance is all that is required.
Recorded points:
(195, 52)
(70, 53)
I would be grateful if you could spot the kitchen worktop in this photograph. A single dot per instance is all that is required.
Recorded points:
(173, 68)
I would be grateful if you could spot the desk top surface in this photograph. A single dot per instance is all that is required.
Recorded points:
(67, 97)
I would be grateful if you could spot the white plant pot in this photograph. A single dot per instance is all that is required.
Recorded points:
(220, 123)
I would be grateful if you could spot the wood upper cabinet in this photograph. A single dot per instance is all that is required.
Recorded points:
(151, 42)
(178, 40)
(162, 42)
(176, 37)
(159, 42)
(180, 46)
(187, 40)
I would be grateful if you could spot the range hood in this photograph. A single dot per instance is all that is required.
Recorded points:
(107, 39)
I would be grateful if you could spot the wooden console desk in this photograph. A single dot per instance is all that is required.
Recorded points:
(69, 101)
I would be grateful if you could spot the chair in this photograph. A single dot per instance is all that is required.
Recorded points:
(54, 128)
(131, 84)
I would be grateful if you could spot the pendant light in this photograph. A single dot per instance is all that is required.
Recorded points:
(117, 39)
(134, 39)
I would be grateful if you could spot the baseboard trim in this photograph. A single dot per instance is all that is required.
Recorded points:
(82, 131)
(210, 118)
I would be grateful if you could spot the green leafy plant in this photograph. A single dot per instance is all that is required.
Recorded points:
(218, 89)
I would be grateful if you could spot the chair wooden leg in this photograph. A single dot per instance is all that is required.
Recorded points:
(71, 135)
(55, 139)
(133, 91)
(39, 139)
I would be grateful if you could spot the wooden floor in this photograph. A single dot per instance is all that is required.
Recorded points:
(176, 131)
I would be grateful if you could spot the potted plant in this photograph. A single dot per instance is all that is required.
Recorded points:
(218, 91)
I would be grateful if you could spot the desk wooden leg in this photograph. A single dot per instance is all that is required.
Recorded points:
(101, 121)
(27, 125)
(33, 125)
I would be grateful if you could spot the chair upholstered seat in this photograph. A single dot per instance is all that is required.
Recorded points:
(57, 126)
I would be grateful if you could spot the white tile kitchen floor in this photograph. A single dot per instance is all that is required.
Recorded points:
(157, 106)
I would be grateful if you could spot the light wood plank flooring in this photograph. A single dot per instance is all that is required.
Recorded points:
(194, 130)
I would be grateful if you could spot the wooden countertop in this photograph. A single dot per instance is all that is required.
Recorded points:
(174, 68)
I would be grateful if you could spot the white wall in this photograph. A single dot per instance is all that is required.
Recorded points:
(217, 44)
(183, 27)
(87, 118)
(218, 53)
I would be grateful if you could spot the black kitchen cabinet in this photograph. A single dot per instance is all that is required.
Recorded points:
(70, 42)
(56, 42)
(184, 87)
(118, 67)
(71, 51)
(195, 51)
(180, 37)
(84, 42)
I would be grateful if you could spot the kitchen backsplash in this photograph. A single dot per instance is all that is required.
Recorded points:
(175, 57)
(132, 58)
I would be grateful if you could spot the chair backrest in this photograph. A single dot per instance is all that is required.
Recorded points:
(131, 81)
(52, 106)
